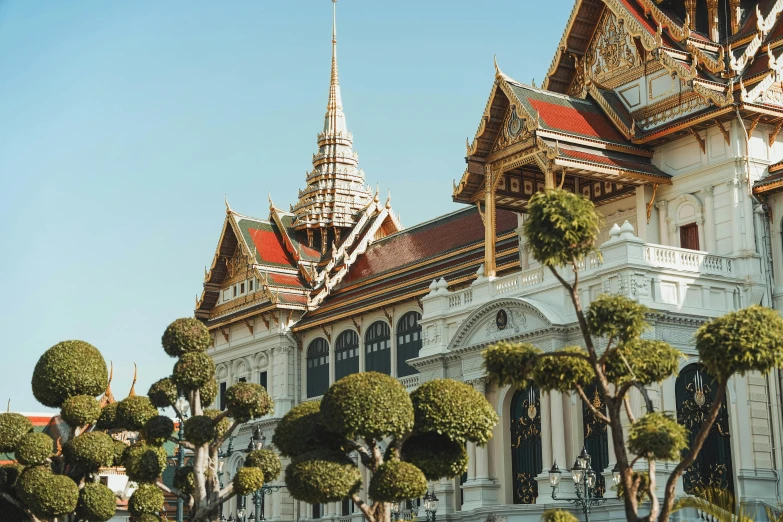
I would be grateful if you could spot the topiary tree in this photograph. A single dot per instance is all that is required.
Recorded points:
(425, 433)
(561, 230)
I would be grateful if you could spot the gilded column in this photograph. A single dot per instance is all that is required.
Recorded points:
(690, 8)
(734, 15)
(489, 222)
(712, 20)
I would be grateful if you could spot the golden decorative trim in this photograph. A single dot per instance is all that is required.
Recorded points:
(765, 25)
(753, 125)
(678, 33)
(658, 133)
(563, 45)
(723, 130)
(327, 333)
(226, 334)
(768, 188)
(701, 141)
(738, 64)
(668, 107)
(358, 325)
(249, 325)
(652, 201)
(265, 320)
(774, 134)
(598, 97)
(714, 65)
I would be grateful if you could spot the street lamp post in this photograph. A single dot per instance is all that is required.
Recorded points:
(584, 484)
(430, 506)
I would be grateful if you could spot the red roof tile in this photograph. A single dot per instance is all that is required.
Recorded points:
(569, 119)
(293, 281)
(614, 161)
(269, 247)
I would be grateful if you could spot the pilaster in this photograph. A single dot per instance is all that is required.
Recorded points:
(483, 490)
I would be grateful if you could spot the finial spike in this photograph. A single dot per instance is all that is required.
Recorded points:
(8, 408)
(228, 207)
(132, 392)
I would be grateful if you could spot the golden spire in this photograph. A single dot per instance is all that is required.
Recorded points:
(108, 396)
(132, 392)
(335, 119)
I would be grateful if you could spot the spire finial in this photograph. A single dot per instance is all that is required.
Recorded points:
(132, 392)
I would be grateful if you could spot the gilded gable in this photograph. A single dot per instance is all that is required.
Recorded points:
(612, 52)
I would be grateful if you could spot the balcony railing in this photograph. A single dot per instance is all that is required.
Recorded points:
(687, 260)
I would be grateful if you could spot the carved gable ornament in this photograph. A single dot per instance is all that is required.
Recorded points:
(515, 128)
(498, 320)
(612, 51)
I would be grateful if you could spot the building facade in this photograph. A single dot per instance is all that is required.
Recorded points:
(667, 115)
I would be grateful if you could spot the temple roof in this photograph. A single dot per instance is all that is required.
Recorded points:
(773, 182)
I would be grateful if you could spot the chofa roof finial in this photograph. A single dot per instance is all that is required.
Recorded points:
(132, 392)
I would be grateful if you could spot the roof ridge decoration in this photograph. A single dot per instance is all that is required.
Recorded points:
(595, 93)
(335, 190)
(776, 66)
(738, 64)
(765, 25)
(675, 31)
(713, 65)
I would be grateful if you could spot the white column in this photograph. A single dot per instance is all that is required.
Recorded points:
(557, 423)
(482, 490)
(642, 196)
(546, 431)
(663, 227)
(709, 219)
(736, 217)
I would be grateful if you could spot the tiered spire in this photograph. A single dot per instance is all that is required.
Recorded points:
(335, 191)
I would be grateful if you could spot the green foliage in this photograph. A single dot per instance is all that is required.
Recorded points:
(208, 392)
(657, 436)
(30, 480)
(322, 476)
(222, 426)
(90, 450)
(721, 505)
(56, 496)
(185, 479)
(34, 448)
(561, 227)
(9, 473)
(157, 430)
(617, 317)
(133, 412)
(511, 363)
(107, 420)
(558, 515)
(300, 430)
(248, 480)
(435, 455)
(266, 460)
(200, 429)
(651, 361)
(562, 372)
(80, 410)
(454, 409)
(97, 503)
(185, 335)
(148, 517)
(147, 499)
(742, 341)
(118, 449)
(144, 463)
(193, 370)
(367, 405)
(163, 393)
(246, 400)
(13, 427)
(643, 481)
(395, 481)
(68, 369)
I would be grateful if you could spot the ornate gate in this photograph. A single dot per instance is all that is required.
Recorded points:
(526, 459)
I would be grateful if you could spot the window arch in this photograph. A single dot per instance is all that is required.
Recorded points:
(408, 342)
(596, 437)
(346, 354)
(317, 367)
(377, 347)
(526, 456)
(695, 390)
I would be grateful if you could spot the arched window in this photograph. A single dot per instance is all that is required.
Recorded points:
(526, 458)
(695, 391)
(377, 347)
(408, 342)
(346, 354)
(595, 436)
(317, 367)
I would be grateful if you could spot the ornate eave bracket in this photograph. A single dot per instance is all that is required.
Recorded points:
(677, 33)
(739, 64)
(713, 65)
(718, 98)
(776, 64)
(765, 24)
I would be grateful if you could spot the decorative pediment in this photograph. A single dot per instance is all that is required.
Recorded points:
(517, 126)
(502, 319)
(613, 51)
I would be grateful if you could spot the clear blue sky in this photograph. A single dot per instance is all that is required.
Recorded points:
(123, 124)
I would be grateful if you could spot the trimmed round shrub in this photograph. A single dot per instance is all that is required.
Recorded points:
(185, 335)
(561, 373)
(56, 496)
(222, 426)
(247, 400)
(367, 405)
(80, 410)
(147, 499)
(118, 449)
(657, 436)
(148, 517)
(651, 361)
(322, 476)
(9, 473)
(134, 412)
(143, 462)
(616, 317)
(560, 227)
(31, 480)
(208, 392)
(747, 340)
(558, 515)
(185, 479)
(511, 363)
(300, 430)
(107, 420)
(395, 481)
(163, 393)
(12, 513)
(199, 430)
(97, 503)
(248, 480)
(193, 370)
(267, 461)
(13, 427)
(157, 430)
(68, 369)
(436, 455)
(34, 448)
(454, 409)
(90, 451)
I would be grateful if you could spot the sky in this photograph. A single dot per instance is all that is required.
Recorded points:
(124, 125)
